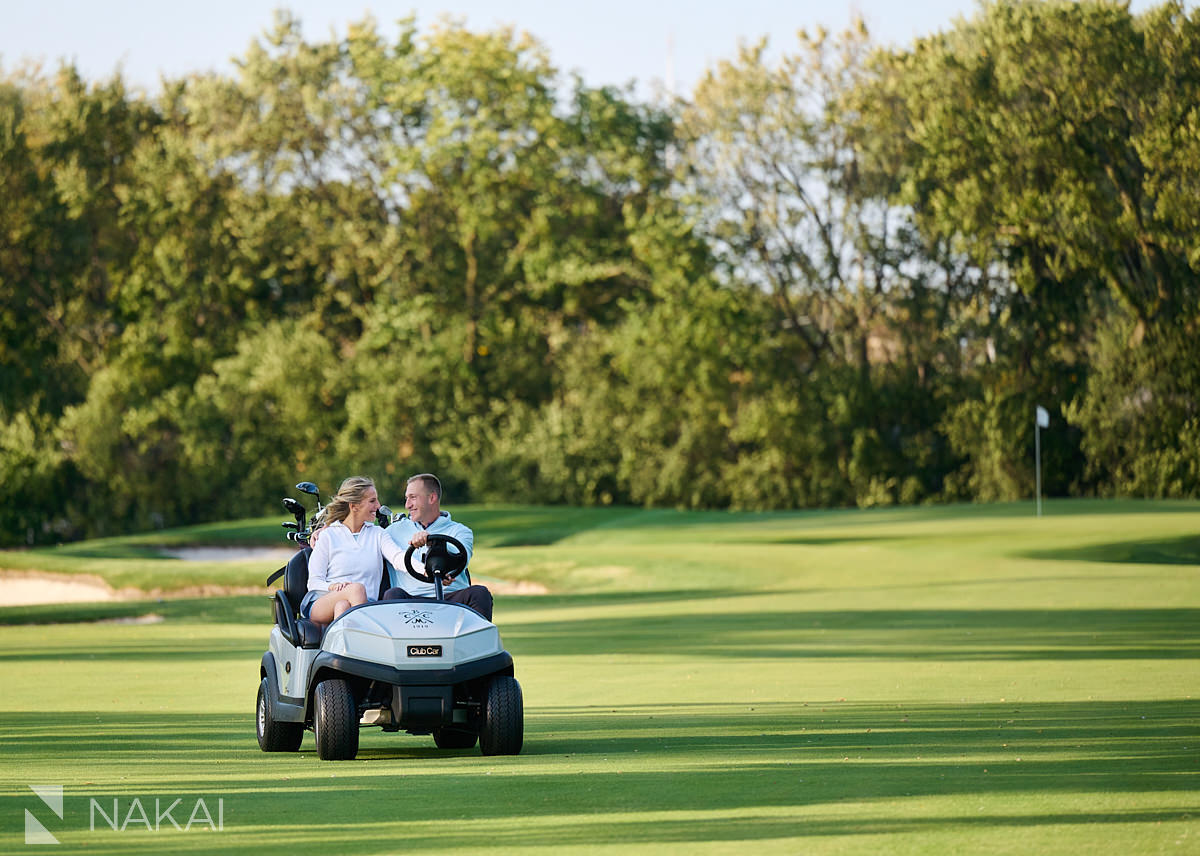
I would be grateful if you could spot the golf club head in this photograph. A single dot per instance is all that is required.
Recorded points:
(383, 516)
(288, 524)
(293, 506)
(309, 488)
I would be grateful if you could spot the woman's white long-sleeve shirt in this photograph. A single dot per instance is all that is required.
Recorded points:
(341, 557)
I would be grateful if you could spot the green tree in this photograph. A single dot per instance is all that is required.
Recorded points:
(796, 191)
(1041, 146)
(65, 150)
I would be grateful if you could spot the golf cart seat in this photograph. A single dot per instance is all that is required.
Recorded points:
(301, 632)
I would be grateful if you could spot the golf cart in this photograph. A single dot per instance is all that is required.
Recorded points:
(418, 665)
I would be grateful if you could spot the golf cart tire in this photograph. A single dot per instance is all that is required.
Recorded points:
(335, 720)
(455, 738)
(503, 728)
(273, 735)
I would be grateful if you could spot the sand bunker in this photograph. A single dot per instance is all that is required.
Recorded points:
(230, 554)
(26, 589)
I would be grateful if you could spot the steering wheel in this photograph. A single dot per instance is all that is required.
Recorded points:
(438, 559)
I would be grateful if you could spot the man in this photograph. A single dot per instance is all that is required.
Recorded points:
(423, 499)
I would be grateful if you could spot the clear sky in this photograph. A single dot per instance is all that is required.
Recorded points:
(611, 42)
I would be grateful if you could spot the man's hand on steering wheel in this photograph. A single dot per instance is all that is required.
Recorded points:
(450, 564)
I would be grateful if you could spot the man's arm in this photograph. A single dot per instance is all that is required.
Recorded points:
(455, 530)
(466, 537)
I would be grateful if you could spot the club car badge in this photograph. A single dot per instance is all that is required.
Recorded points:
(424, 650)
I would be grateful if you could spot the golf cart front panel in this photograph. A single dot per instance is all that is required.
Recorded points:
(413, 636)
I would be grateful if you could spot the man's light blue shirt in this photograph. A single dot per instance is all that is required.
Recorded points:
(401, 531)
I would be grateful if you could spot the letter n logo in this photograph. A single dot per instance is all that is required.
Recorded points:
(52, 796)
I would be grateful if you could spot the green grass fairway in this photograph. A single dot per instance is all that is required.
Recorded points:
(939, 680)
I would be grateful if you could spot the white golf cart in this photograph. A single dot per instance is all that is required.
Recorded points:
(419, 665)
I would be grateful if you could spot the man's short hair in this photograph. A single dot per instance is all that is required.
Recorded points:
(430, 482)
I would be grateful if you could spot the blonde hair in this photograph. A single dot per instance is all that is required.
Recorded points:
(353, 489)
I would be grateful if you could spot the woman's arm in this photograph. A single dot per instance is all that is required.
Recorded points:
(318, 563)
(391, 551)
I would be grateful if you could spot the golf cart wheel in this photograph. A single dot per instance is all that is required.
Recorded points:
(454, 738)
(503, 728)
(273, 735)
(335, 721)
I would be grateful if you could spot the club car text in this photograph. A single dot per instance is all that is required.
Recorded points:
(424, 650)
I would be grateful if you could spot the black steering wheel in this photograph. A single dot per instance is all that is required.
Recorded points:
(438, 560)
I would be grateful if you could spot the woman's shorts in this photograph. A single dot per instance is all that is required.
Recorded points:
(309, 599)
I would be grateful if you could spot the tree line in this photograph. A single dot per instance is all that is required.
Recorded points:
(834, 274)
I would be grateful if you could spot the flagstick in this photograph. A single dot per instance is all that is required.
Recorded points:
(1037, 445)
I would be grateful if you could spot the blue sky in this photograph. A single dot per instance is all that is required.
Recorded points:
(613, 42)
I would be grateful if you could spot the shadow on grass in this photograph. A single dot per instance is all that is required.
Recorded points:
(262, 531)
(242, 609)
(1032, 634)
(1170, 551)
(537, 526)
(833, 540)
(252, 609)
(102, 550)
(624, 766)
(524, 526)
(704, 631)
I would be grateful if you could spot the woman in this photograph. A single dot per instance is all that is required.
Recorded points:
(346, 563)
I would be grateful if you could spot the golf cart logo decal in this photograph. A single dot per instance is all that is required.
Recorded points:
(35, 832)
(424, 650)
(417, 617)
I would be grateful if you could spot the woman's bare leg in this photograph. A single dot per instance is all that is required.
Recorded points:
(332, 604)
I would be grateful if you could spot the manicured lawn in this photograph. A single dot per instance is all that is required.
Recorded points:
(937, 680)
